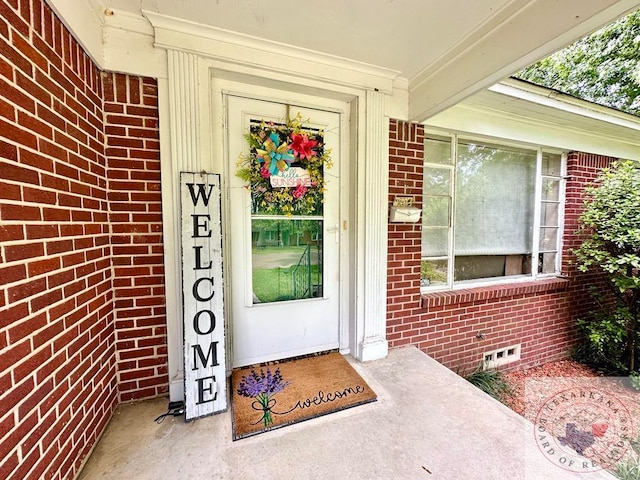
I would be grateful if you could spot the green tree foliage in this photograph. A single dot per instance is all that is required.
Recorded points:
(603, 67)
(611, 221)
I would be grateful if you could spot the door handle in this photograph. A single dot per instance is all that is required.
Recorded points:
(335, 230)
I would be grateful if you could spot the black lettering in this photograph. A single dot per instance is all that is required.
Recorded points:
(202, 389)
(325, 398)
(201, 193)
(194, 290)
(199, 265)
(212, 322)
(197, 226)
(211, 353)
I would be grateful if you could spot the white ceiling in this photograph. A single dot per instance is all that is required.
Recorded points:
(403, 35)
(446, 49)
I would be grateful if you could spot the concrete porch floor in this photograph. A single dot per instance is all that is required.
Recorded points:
(428, 423)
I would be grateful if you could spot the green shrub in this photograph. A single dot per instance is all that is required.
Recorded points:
(628, 469)
(491, 382)
(611, 226)
(605, 340)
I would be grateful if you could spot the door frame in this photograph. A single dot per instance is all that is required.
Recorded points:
(230, 90)
(191, 123)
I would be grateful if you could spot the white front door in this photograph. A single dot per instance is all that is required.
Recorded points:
(284, 266)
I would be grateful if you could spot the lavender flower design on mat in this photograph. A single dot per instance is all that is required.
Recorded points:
(262, 387)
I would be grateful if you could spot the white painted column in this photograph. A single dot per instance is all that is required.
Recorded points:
(181, 112)
(376, 178)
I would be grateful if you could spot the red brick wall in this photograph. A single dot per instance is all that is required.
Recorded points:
(582, 169)
(133, 166)
(539, 315)
(66, 241)
(57, 366)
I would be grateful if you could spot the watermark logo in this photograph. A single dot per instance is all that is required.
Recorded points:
(583, 429)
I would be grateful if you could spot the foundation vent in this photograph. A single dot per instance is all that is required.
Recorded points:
(502, 356)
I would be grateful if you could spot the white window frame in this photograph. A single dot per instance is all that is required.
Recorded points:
(454, 139)
(562, 185)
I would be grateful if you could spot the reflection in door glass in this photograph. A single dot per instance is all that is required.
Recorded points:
(286, 256)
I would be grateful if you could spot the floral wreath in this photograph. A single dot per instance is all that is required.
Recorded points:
(274, 150)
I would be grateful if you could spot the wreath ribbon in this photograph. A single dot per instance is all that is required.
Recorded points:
(276, 157)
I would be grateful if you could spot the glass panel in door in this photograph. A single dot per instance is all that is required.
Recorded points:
(285, 174)
(286, 259)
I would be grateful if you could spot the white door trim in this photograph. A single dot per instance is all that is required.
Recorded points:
(191, 120)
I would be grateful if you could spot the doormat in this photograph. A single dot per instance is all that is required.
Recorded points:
(276, 394)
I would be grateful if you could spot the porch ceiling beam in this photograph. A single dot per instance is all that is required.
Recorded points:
(519, 35)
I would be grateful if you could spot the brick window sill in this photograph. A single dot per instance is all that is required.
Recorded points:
(492, 292)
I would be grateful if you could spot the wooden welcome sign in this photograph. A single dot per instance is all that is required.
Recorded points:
(202, 295)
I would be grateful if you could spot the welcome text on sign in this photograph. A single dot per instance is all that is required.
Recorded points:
(204, 372)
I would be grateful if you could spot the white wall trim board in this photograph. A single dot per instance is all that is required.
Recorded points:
(376, 188)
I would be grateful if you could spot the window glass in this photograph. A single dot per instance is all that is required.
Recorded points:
(437, 150)
(435, 242)
(483, 199)
(549, 214)
(548, 238)
(437, 208)
(433, 273)
(436, 211)
(437, 181)
(547, 262)
(551, 189)
(494, 197)
(551, 164)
